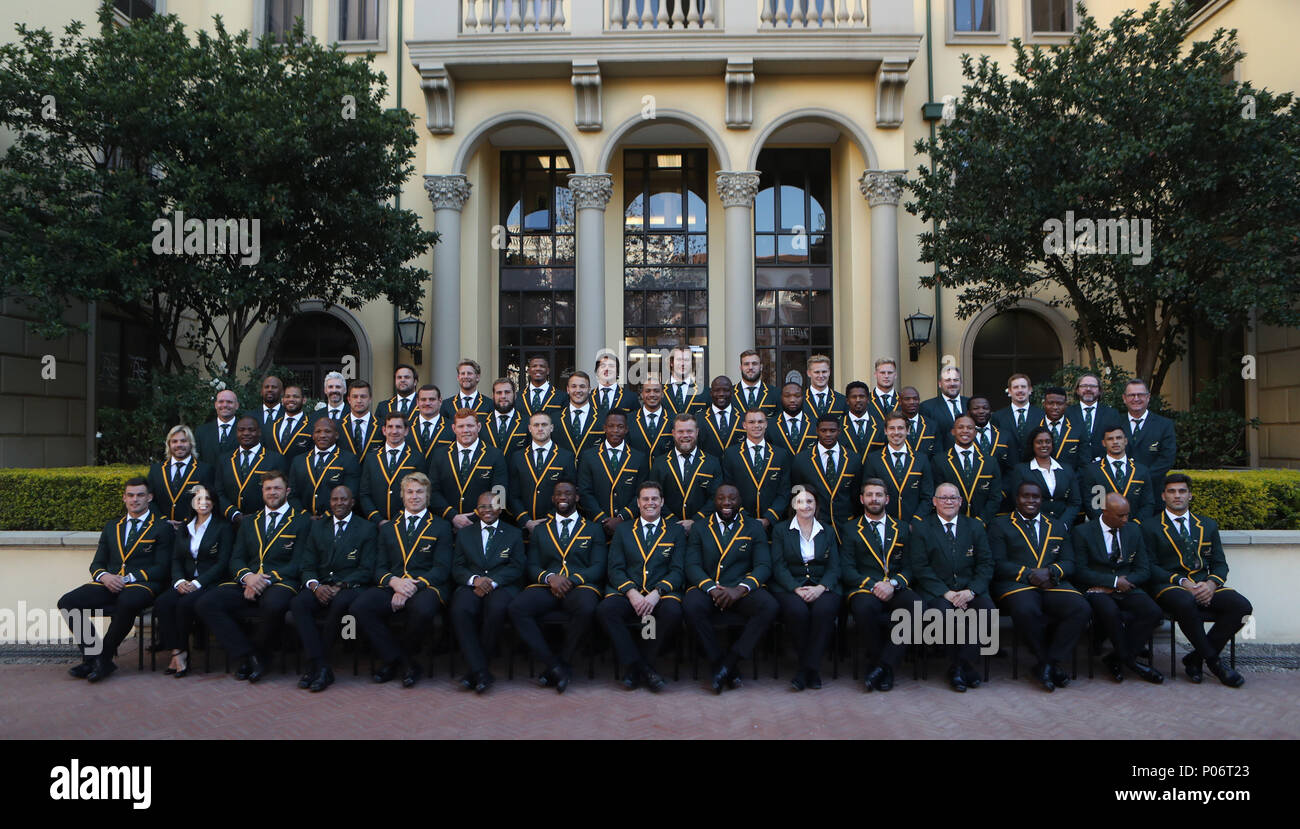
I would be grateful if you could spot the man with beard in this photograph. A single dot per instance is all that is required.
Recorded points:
(907, 476)
(579, 425)
(727, 562)
(1092, 416)
(359, 430)
(172, 480)
(335, 403)
(943, 408)
(862, 433)
(752, 393)
(1016, 420)
(216, 438)
(403, 401)
(688, 476)
(272, 389)
(791, 430)
(467, 469)
(468, 374)
(566, 559)
(384, 468)
(651, 429)
(290, 434)
(430, 430)
(505, 429)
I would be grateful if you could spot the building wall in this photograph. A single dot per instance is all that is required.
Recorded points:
(43, 392)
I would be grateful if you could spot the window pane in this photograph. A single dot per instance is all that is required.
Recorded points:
(536, 310)
(792, 208)
(563, 250)
(821, 307)
(563, 209)
(358, 19)
(765, 250)
(564, 311)
(697, 250)
(765, 308)
(793, 307)
(633, 308)
(509, 309)
(666, 307)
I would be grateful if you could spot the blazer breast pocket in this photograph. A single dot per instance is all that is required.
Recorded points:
(485, 475)
(287, 544)
(970, 552)
(334, 477)
(1155, 447)
(351, 555)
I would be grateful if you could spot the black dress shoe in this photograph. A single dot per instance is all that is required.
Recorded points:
(304, 681)
(256, 670)
(1192, 665)
(547, 678)
(323, 679)
(1044, 675)
(169, 672)
(412, 675)
(970, 676)
(81, 671)
(467, 682)
(563, 675)
(887, 684)
(1059, 677)
(814, 680)
(387, 672)
(652, 680)
(104, 668)
(483, 682)
(956, 681)
(244, 669)
(1112, 663)
(799, 681)
(182, 673)
(631, 677)
(875, 679)
(1225, 674)
(720, 679)
(1146, 672)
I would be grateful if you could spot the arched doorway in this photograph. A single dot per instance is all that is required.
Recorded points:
(314, 344)
(1016, 341)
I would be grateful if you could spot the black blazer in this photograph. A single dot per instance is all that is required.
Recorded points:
(789, 570)
(344, 559)
(1063, 502)
(1092, 564)
(1005, 420)
(1103, 417)
(605, 491)
(659, 565)
(863, 561)
(208, 444)
(1016, 552)
(503, 561)
(212, 565)
(937, 568)
(1156, 448)
(938, 412)
(653, 442)
(173, 503)
(310, 490)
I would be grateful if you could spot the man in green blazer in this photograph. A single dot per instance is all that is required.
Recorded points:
(487, 568)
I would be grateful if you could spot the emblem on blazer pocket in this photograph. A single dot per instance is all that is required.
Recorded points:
(1155, 447)
(505, 553)
(351, 556)
(426, 548)
(288, 545)
(970, 552)
(485, 475)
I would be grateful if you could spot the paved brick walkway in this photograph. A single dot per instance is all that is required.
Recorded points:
(41, 701)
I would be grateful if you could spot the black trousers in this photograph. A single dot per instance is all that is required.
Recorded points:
(477, 622)
(527, 609)
(755, 611)
(220, 607)
(616, 613)
(872, 617)
(1127, 620)
(123, 606)
(373, 609)
(1034, 609)
(176, 614)
(966, 653)
(307, 609)
(1228, 608)
(810, 624)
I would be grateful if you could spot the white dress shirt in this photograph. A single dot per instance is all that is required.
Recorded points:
(806, 545)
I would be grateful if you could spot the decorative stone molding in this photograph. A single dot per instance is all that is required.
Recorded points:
(439, 98)
(737, 188)
(586, 95)
(740, 93)
(891, 78)
(448, 192)
(882, 186)
(591, 190)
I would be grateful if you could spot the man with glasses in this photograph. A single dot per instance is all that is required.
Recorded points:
(1151, 440)
(1091, 418)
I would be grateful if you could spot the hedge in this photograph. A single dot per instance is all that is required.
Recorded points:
(68, 498)
(1247, 499)
(85, 497)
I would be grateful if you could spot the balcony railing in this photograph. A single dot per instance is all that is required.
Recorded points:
(812, 14)
(515, 16)
(643, 15)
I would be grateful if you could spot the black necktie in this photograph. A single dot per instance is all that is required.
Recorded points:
(575, 423)
(677, 395)
(956, 410)
(965, 462)
(225, 433)
(1056, 433)
(604, 399)
(649, 533)
(1115, 554)
(1184, 537)
(466, 402)
(1020, 419)
(830, 463)
(272, 519)
(653, 422)
(1087, 422)
(565, 525)
(722, 423)
(336, 414)
(898, 463)
(339, 527)
(177, 469)
(289, 423)
(1137, 429)
(244, 463)
(491, 531)
(758, 458)
(320, 460)
(790, 428)
(411, 521)
(501, 427)
(821, 403)
(875, 528)
(686, 465)
(886, 402)
(860, 430)
(270, 414)
(985, 443)
(464, 461)
(1119, 470)
(426, 432)
(752, 394)
(133, 532)
(539, 456)
(952, 535)
(392, 459)
(356, 434)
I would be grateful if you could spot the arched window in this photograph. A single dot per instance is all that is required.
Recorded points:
(1012, 342)
(313, 345)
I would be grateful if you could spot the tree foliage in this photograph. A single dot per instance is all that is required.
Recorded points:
(116, 131)
(1128, 122)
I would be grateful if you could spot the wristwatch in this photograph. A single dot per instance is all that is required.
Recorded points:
(893, 582)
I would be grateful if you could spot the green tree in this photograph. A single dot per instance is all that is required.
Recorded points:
(1131, 123)
(144, 122)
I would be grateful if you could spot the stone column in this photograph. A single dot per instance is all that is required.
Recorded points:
(882, 189)
(591, 193)
(448, 194)
(737, 190)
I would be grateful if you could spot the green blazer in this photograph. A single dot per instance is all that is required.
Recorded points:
(582, 560)
(864, 561)
(276, 555)
(346, 559)
(147, 559)
(1016, 552)
(424, 555)
(1200, 558)
(939, 565)
(714, 559)
(657, 565)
